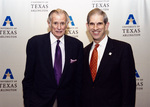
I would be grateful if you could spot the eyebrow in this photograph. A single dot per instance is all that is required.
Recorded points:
(96, 23)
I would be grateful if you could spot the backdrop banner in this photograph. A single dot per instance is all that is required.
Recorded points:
(22, 19)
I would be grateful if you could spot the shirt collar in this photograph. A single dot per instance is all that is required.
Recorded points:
(103, 42)
(54, 39)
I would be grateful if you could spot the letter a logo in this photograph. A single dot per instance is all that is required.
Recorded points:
(71, 21)
(8, 73)
(136, 74)
(8, 21)
(131, 19)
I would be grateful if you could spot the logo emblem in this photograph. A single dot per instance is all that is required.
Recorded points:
(8, 21)
(136, 74)
(8, 73)
(131, 19)
(71, 21)
(72, 29)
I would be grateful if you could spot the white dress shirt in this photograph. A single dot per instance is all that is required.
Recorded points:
(100, 49)
(53, 40)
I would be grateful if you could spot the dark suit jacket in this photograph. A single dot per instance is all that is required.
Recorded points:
(39, 85)
(114, 85)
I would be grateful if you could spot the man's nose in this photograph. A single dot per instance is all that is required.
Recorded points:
(95, 27)
(59, 26)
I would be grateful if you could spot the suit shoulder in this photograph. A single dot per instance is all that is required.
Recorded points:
(120, 43)
(88, 47)
(38, 36)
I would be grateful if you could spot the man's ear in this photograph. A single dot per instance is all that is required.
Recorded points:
(106, 26)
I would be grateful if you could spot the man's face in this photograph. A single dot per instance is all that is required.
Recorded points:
(97, 28)
(58, 25)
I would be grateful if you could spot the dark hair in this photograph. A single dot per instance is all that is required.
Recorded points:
(99, 12)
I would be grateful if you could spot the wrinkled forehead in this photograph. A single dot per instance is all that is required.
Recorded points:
(58, 16)
(96, 18)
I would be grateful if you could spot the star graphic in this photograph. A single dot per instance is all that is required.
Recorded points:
(131, 20)
(70, 22)
(8, 75)
(8, 22)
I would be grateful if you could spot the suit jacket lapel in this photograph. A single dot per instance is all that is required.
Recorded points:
(106, 57)
(67, 57)
(86, 60)
(48, 55)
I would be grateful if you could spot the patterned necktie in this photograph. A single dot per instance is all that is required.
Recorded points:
(58, 62)
(93, 62)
